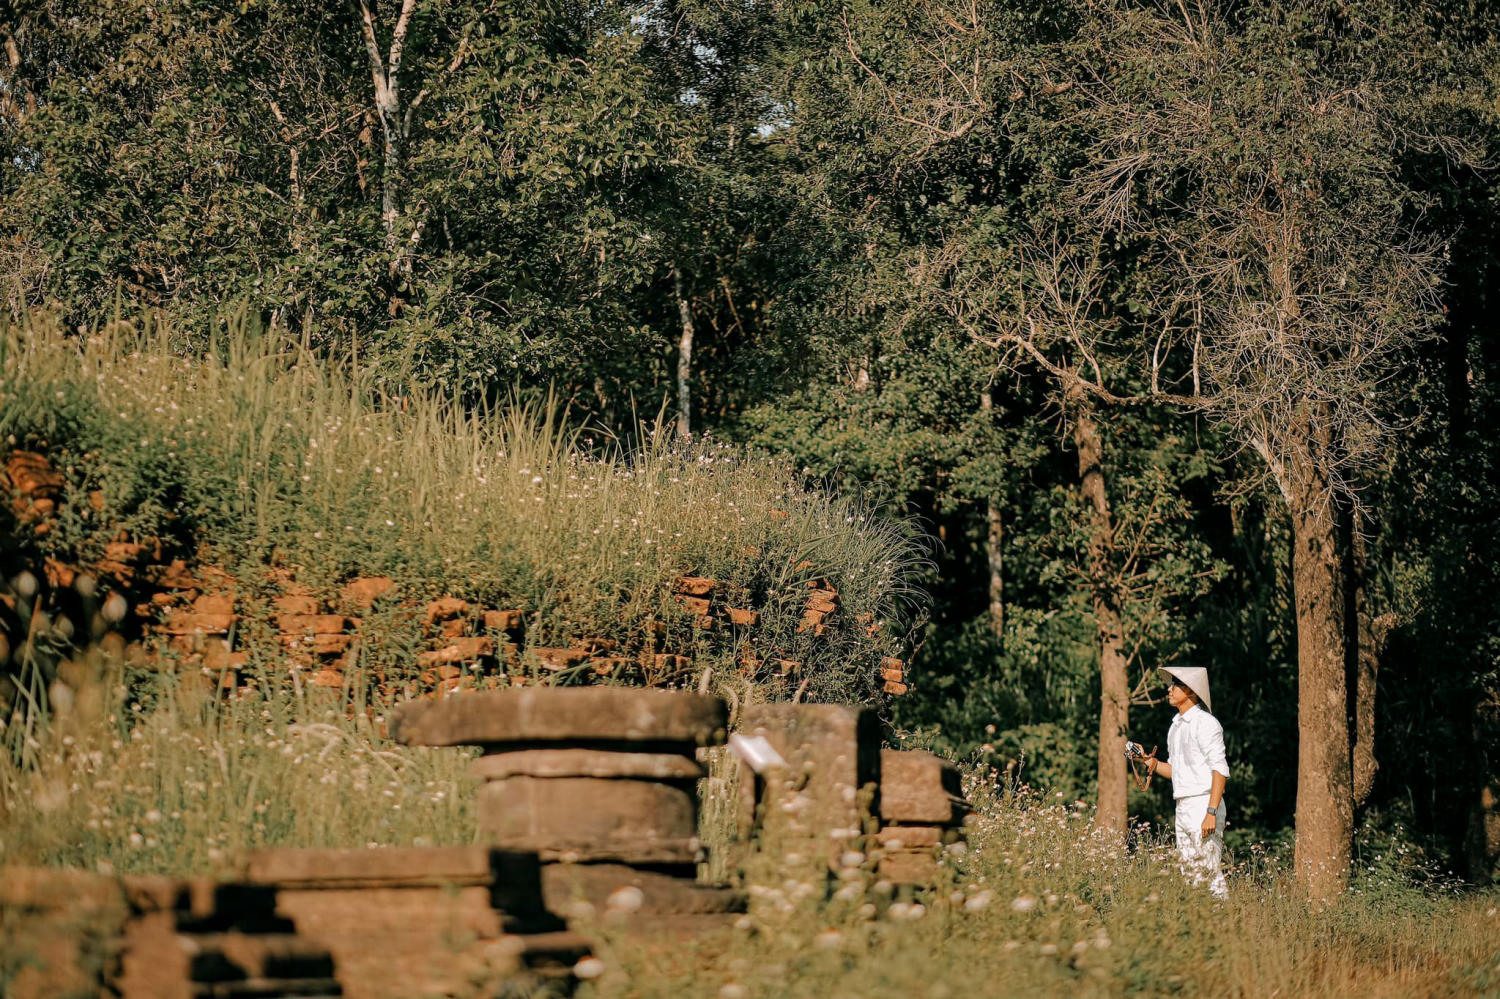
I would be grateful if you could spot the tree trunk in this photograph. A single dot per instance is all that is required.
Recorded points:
(684, 360)
(1364, 644)
(1114, 686)
(1325, 808)
(994, 540)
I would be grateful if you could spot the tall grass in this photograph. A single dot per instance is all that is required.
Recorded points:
(255, 453)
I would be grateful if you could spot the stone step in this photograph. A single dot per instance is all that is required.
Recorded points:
(268, 988)
(616, 887)
(225, 957)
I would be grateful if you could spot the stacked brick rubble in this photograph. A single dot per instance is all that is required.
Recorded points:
(922, 812)
(154, 938)
(600, 782)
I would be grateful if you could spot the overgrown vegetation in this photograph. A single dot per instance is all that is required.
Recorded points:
(257, 456)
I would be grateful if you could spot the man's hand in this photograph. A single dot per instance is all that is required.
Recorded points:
(1210, 823)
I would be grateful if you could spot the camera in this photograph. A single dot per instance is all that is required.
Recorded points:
(1135, 751)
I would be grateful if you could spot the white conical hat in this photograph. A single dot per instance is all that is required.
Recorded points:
(1196, 678)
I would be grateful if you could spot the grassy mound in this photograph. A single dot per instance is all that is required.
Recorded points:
(259, 458)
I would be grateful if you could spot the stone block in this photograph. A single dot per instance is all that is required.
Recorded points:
(894, 688)
(587, 763)
(587, 715)
(920, 788)
(741, 617)
(825, 795)
(588, 818)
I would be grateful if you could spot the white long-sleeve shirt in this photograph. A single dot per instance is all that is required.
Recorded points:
(1195, 749)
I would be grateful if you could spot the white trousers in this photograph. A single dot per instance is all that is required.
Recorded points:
(1201, 858)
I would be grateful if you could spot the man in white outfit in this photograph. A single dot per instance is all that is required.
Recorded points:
(1196, 766)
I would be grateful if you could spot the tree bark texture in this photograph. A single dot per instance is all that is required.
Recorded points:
(994, 542)
(385, 71)
(684, 359)
(1114, 686)
(1365, 636)
(1325, 807)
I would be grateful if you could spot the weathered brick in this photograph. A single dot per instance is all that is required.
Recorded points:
(743, 617)
(459, 651)
(694, 586)
(557, 658)
(693, 605)
(363, 592)
(445, 608)
(504, 620)
(296, 605)
(214, 603)
(181, 622)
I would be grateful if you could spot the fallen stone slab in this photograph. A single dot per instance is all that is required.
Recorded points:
(580, 715)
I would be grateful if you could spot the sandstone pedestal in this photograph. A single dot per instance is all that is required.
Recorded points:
(600, 782)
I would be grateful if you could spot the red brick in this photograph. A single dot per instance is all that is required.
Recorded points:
(503, 620)
(693, 605)
(296, 604)
(327, 644)
(453, 628)
(461, 650)
(694, 586)
(557, 659)
(445, 608)
(218, 603)
(186, 623)
(32, 474)
(895, 688)
(363, 592)
(742, 617)
(328, 678)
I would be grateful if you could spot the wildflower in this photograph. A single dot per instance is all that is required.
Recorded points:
(1023, 903)
(589, 967)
